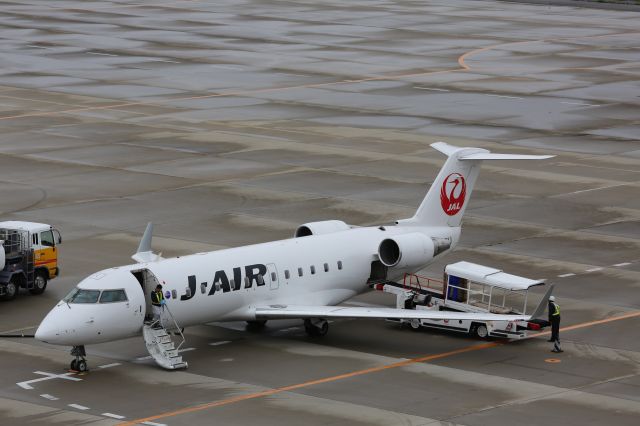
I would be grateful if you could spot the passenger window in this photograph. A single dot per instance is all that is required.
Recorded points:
(274, 277)
(203, 288)
(111, 296)
(340, 264)
(299, 272)
(174, 293)
(313, 269)
(47, 238)
(260, 280)
(247, 283)
(326, 267)
(286, 274)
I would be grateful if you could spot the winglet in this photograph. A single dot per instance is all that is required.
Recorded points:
(144, 253)
(543, 304)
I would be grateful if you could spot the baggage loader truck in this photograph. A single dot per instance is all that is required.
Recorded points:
(468, 287)
(28, 257)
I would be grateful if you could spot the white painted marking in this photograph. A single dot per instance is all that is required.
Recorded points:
(430, 88)
(37, 47)
(115, 364)
(226, 359)
(223, 342)
(593, 270)
(578, 103)
(50, 376)
(166, 60)
(101, 54)
(113, 416)
(153, 424)
(49, 397)
(504, 96)
(566, 275)
(285, 330)
(623, 264)
(78, 407)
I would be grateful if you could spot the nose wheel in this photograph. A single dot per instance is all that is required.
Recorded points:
(79, 363)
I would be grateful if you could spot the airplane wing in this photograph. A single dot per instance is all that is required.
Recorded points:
(303, 311)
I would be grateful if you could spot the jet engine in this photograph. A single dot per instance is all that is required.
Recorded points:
(320, 228)
(406, 250)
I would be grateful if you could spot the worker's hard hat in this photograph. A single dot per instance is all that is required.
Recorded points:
(552, 298)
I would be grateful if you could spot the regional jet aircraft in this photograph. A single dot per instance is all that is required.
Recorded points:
(305, 277)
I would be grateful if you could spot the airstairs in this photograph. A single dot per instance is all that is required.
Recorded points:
(160, 344)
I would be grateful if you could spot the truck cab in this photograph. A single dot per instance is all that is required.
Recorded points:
(30, 254)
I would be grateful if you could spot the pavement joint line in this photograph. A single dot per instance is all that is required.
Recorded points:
(503, 96)
(431, 88)
(403, 363)
(153, 424)
(78, 407)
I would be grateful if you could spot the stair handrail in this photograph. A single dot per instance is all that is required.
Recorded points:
(176, 324)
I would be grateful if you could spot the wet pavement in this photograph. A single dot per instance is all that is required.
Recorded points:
(232, 122)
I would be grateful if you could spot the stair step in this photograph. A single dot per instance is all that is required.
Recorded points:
(171, 353)
(175, 359)
(167, 346)
(180, 365)
(163, 339)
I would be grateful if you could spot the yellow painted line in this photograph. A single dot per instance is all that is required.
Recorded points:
(356, 373)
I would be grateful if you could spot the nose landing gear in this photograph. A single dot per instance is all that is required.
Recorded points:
(79, 363)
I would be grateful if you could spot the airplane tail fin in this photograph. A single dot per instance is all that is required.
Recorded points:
(450, 192)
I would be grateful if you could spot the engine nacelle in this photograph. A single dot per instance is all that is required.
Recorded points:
(406, 250)
(320, 228)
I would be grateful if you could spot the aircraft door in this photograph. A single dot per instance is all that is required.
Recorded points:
(272, 273)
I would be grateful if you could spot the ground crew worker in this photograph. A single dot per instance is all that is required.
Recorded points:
(554, 319)
(157, 301)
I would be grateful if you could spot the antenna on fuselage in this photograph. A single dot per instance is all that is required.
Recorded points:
(144, 253)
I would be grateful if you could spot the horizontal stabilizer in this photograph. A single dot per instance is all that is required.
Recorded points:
(490, 156)
(301, 311)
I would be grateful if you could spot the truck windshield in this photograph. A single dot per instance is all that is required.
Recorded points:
(78, 295)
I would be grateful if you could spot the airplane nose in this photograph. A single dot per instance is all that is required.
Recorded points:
(45, 332)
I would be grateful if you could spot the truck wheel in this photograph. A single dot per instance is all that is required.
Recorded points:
(39, 284)
(481, 331)
(11, 290)
(415, 324)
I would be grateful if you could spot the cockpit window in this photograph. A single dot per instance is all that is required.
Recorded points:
(78, 295)
(110, 296)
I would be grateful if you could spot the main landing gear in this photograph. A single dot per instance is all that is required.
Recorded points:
(316, 327)
(79, 363)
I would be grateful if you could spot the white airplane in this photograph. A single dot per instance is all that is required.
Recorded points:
(304, 277)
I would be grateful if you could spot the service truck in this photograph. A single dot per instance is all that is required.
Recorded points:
(28, 257)
(468, 287)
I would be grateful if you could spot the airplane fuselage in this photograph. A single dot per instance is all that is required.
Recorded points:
(226, 285)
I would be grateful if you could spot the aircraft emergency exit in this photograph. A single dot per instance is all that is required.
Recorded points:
(304, 277)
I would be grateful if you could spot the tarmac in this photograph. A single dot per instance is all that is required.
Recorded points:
(232, 122)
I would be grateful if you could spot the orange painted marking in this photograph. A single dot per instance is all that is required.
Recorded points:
(553, 360)
(357, 373)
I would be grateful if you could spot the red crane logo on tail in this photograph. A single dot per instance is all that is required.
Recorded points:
(452, 194)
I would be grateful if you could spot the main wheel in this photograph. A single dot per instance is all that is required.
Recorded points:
(316, 330)
(481, 331)
(39, 283)
(74, 365)
(11, 290)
